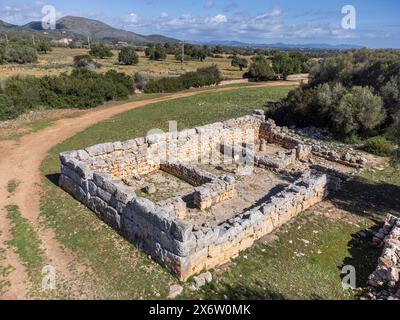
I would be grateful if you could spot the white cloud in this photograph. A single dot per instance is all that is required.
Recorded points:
(24, 13)
(133, 18)
(220, 18)
(163, 15)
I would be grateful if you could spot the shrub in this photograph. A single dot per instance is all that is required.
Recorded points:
(7, 109)
(141, 80)
(346, 112)
(202, 77)
(284, 65)
(395, 133)
(380, 146)
(125, 82)
(128, 56)
(83, 61)
(260, 69)
(43, 47)
(23, 93)
(20, 54)
(100, 51)
(82, 88)
(164, 85)
(359, 110)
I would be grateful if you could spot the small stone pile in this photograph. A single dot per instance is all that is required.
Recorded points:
(384, 281)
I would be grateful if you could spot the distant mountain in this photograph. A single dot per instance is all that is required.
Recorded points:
(97, 30)
(5, 25)
(312, 46)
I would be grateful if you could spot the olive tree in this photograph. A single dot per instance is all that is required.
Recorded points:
(359, 110)
(239, 62)
(128, 56)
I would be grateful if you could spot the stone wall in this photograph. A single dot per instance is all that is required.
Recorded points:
(94, 176)
(219, 244)
(210, 189)
(384, 281)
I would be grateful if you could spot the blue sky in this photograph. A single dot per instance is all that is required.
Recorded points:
(258, 21)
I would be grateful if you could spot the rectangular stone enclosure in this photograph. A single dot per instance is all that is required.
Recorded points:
(111, 180)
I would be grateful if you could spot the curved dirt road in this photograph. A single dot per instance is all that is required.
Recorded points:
(20, 161)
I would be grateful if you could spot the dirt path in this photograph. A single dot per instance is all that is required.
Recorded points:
(20, 160)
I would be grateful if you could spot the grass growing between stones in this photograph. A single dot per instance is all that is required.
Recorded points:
(287, 268)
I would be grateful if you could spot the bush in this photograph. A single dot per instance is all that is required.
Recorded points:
(7, 109)
(19, 54)
(395, 133)
(346, 112)
(128, 56)
(352, 93)
(23, 93)
(359, 110)
(141, 80)
(164, 85)
(380, 146)
(82, 88)
(100, 51)
(83, 61)
(43, 47)
(260, 69)
(202, 77)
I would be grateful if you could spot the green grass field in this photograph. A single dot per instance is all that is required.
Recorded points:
(304, 261)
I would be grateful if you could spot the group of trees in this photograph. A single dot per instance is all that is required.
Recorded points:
(156, 52)
(355, 94)
(80, 89)
(192, 52)
(127, 55)
(279, 65)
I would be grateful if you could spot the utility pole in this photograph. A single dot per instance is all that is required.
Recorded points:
(33, 39)
(183, 54)
(6, 39)
(88, 41)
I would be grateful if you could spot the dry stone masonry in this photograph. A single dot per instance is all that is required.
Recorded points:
(108, 177)
(385, 280)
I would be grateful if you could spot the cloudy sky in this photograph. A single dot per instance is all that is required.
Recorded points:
(258, 21)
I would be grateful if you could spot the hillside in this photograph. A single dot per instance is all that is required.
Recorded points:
(97, 30)
(5, 25)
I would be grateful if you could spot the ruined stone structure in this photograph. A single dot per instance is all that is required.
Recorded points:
(107, 178)
(385, 280)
